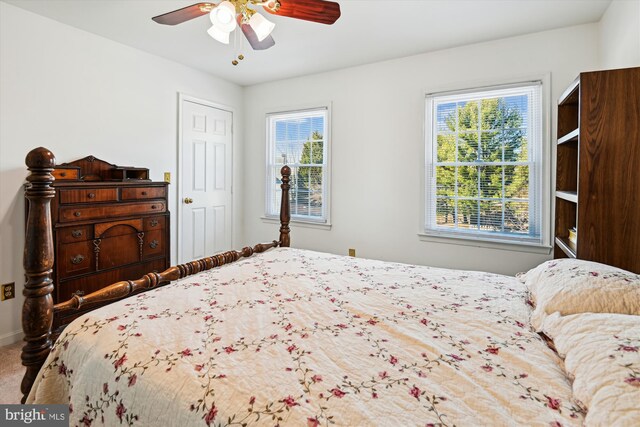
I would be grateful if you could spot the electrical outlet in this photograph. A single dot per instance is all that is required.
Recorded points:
(167, 177)
(352, 252)
(8, 291)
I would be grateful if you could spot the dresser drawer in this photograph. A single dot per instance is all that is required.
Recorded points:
(143, 193)
(120, 250)
(90, 195)
(117, 228)
(73, 213)
(155, 223)
(88, 284)
(74, 234)
(63, 174)
(153, 244)
(75, 258)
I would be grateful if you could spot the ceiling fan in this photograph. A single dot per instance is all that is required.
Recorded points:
(227, 15)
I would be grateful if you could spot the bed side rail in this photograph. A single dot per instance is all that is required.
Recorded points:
(38, 310)
(126, 288)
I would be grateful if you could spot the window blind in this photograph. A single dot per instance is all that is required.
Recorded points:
(483, 163)
(298, 139)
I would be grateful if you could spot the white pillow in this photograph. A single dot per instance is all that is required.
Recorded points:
(572, 286)
(602, 355)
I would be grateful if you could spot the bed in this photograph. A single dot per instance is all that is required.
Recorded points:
(296, 337)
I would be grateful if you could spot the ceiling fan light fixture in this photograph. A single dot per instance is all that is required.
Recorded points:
(227, 15)
(218, 34)
(261, 26)
(223, 16)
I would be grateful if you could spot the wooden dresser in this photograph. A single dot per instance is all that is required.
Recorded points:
(110, 223)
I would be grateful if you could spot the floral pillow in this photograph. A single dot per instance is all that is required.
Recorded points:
(602, 356)
(572, 286)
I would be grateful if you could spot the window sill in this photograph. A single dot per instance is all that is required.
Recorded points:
(486, 243)
(299, 223)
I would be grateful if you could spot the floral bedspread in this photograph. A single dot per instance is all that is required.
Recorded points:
(293, 337)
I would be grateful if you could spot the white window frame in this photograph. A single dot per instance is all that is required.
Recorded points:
(542, 163)
(323, 222)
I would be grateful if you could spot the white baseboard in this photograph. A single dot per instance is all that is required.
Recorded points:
(11, 338)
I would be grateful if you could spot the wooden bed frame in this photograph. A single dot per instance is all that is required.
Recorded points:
(39, 312)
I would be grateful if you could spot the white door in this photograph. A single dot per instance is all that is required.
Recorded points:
(205, 180)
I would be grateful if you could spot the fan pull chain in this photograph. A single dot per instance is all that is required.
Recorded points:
(235, 46)
(236, 43)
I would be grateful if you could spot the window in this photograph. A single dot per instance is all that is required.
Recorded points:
(484, 151)
(299, 139)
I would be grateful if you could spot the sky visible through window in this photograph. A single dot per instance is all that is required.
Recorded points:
(519, 103)
(292, 134)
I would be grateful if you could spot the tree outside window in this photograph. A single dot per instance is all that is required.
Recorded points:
(482, 168)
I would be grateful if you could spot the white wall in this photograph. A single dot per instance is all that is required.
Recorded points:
(619, 39)
(79, 94)
(377, 151)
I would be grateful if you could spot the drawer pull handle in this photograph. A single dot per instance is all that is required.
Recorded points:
(77, 259)
(154, 244)
(77, 213)
(154, 207)
(79, 293)
(91, 195)
(154, 222)
(63, 174)
(76, 233)
(144, 193)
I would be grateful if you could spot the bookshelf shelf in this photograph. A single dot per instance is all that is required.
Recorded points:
(569, 196)
(570, 94)
(566, 246)
(570, 137)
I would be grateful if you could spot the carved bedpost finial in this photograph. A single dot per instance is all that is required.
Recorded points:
(285, 215)
(37, 311)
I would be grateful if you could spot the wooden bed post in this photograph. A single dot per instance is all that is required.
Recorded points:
(37, 311)
(285, 215)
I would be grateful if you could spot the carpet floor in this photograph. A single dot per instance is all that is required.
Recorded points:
(11, 372)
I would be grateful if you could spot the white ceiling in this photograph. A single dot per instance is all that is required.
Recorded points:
(368, 31)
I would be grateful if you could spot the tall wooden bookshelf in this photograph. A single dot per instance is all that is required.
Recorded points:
(598, 169)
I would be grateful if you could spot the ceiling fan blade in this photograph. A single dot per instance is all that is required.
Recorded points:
(185, 14)
(322, 11)
(251, 36)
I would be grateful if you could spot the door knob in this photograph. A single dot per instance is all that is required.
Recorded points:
(188, 200)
